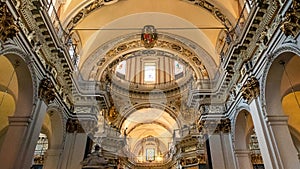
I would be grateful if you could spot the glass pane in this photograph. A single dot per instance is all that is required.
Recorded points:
(121, 70)
(150, 72)
(40, 149)
(150, 154)
(178, 68)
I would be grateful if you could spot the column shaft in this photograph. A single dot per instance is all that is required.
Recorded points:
(74, 150)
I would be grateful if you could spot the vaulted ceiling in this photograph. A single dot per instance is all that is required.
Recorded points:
(125, 17)
(196, 25)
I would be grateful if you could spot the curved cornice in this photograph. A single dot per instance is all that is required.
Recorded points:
(118, 49)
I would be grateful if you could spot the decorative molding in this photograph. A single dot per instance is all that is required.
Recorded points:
(250, 89)
(256, 159)
(188, 161)
(12, 49)
(215, 126)
(183, 50)
(212, 109)
(46, 90)
(120, 53)
(74, 125)
(214, 11)
(291, 22)
(8, 28)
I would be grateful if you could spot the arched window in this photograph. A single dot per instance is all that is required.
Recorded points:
(121, 69)
(40, 150)
(150, 72)
(256, 157)
(178, 70)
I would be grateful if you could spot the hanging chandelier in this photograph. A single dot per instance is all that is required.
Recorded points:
(149, 36)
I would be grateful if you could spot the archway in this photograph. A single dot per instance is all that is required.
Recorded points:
(281, 79)
(17, 93)
(247, 150)
(8, 94)
(53, 128)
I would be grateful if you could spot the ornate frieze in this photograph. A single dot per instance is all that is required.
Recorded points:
(256, 159)
(215, 126)
(291, 22)
(8, 28)
(46, 90)
(189, 161)
(250, 89)
(189, 57)
(212, 109)
(74, 125)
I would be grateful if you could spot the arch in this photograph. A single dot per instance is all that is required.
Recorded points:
(27, 83)
(242, 129)
(57, 127)
(272, 79)
(140, 106)
(155, 122)
(54, 124)
(25, 106)
(273, 89)
(188, 52)
(139, 144)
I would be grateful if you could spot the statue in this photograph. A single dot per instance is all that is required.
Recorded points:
(95, 159)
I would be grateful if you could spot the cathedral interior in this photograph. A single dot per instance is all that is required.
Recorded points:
(149, 84)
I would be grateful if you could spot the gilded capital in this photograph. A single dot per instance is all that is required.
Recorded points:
(8, 28)
(73, 125)
(46, 90)
(291, 22)
(250, 89)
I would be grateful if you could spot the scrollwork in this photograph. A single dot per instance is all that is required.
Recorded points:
(46, 90)
(8, 27)
(251, 89)
(291, 22)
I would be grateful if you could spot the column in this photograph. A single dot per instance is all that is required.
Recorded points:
(216, 151)
(274, 138)
(52, 158)
(74, 147)
(220, 145)
(275, 142)
(243, 159)
(12, 145)
(22, 135)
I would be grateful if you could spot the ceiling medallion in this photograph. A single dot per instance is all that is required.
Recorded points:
(149, 36)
